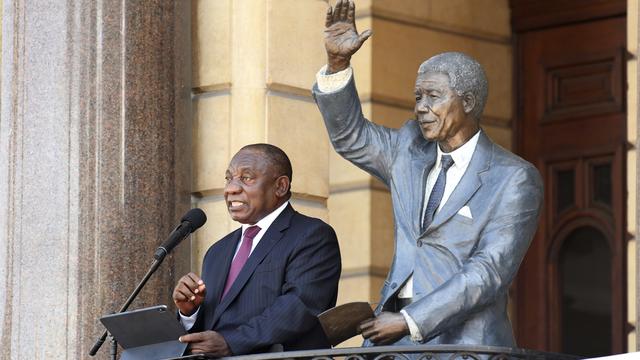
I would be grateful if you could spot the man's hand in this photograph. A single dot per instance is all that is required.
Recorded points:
(209, 342)
(386, 328)
(189, 294)
(341, 39)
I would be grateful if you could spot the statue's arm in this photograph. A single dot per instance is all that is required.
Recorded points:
(369, 146)
(365, 144)
(488, 272)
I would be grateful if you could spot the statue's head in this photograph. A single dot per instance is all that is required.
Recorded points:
(451, 91)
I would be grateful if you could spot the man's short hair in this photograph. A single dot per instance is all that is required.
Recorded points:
(465, 75)
(276, 157)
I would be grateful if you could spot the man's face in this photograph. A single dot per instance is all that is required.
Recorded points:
(440, 112)
(252, 188)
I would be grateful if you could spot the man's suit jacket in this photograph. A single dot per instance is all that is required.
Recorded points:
(290, 277)
(462, 266)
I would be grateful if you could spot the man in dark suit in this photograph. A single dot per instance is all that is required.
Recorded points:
(465, 209)
(265, 283)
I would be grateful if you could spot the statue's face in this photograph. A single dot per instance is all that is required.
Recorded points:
(440, 112)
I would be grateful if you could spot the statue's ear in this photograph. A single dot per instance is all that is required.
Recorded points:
(468, 102)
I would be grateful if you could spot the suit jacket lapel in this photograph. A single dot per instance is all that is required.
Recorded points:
(421, 164)
(469, 184)
(270, 238)
(219, 273)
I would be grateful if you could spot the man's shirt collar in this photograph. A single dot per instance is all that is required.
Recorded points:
(462, 155)
(266, 221)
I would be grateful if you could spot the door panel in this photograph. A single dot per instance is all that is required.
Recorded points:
(572, 126)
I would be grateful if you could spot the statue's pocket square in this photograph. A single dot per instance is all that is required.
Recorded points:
(466, 212)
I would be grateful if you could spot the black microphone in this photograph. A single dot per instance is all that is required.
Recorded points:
(190, 222)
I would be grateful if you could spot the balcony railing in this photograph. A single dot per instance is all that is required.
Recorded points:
(422, 352)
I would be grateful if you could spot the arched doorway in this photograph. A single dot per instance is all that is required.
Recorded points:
(581, 287)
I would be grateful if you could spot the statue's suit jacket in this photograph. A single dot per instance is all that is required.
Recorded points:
(290, 277)
(462, 266)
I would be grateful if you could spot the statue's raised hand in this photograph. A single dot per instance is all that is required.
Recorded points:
(341, 39)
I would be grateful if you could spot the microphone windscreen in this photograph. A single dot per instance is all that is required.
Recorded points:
(195, 217)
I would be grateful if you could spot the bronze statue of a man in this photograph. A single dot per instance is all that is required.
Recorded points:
(465, 209)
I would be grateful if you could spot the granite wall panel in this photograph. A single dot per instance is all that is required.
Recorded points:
(94, 166)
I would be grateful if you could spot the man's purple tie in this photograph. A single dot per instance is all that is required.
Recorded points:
(241, 257)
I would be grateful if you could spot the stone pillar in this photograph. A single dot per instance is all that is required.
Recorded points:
(94, 165)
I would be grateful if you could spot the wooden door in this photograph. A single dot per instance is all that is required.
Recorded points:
(570, 293)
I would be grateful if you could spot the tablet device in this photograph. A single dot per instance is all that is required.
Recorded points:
(149, 333)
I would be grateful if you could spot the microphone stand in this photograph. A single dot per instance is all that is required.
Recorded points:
(159, 256)
(113, 351)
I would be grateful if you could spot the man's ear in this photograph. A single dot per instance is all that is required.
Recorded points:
(468, 102)
(282, 186)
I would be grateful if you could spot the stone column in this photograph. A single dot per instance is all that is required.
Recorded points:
(94, 165)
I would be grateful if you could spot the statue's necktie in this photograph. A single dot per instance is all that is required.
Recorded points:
(241, 257)
(437, 192)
